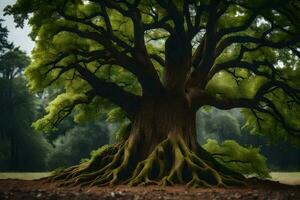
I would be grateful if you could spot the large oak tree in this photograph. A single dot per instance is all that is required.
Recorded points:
(160, 61)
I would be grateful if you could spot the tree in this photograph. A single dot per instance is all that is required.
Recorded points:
(160, 61)
(17, 114)
(16, 102)
(77, 144)
(4, 44)
(216, 124)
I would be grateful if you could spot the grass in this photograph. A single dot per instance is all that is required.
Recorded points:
(24, 176)
(291, 178)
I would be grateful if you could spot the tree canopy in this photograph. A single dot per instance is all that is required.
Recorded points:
(240, 54)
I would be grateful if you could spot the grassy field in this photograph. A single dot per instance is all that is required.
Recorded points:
(291, 178)
(24, 176)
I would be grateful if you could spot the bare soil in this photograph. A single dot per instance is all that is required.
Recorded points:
(39, 189)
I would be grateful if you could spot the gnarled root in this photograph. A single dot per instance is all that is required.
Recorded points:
(171, 162)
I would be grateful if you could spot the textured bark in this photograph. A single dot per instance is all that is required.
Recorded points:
(162, 117)
(178, 63)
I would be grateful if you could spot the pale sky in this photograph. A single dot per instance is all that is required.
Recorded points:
(16, 35)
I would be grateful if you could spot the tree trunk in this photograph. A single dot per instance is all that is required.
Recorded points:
(14, 153)
(161, 149)
(161, 118)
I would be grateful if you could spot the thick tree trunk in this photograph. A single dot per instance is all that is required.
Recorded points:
(161, 118)
(160, 149)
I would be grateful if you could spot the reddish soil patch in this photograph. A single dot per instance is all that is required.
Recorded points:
(39, 189)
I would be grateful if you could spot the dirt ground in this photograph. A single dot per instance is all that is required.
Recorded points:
(13, 189)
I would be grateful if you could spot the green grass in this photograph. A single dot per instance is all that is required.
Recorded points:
(291, 178)
(24, 176)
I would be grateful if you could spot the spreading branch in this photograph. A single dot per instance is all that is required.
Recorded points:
(262, 104)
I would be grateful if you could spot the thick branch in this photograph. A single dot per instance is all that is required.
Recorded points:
(254, 67)
(174, 14)
(127, 101)
(158, 59)
(162, 23)
(198, 76)
(261, 41)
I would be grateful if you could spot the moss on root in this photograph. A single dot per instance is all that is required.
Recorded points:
(171, 162)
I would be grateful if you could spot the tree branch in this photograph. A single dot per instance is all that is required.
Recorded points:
(235, 29)
(236, 63)
(198, 76)
(261, 41)
(127, 101)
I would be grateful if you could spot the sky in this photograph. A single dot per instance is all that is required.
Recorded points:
(16, 35)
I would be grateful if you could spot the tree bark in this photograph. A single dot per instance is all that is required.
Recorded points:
(163, 117)
(178, 63)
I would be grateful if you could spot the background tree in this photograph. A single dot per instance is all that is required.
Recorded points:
(4, 44)
(16, 103)
(21, 150)
(160, 61)
(217, 124)
(76, 144)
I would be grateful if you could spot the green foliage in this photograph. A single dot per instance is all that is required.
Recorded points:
(4, 44)
(56, 110)
(223, 124)
(123, 131)
(97, 152)
(21, 149)
(217, 124)
(115, 115)
(76, 144)
(246, 160)
(267, 124)
(91, 111)
(33, 151)
(274, 152)
(13, 62)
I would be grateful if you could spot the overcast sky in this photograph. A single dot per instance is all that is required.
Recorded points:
(16, 35)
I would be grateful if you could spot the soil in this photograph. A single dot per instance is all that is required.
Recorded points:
(14, 189)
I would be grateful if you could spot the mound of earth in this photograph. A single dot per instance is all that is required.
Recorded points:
(39, 189)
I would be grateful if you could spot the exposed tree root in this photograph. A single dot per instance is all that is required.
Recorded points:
(171, 162)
